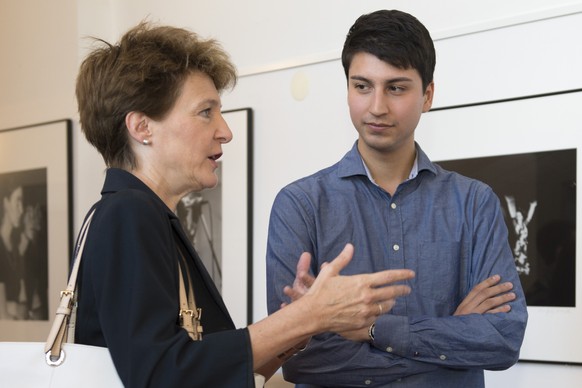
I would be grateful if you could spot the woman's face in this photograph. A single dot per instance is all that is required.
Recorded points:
(13, 207)
(187, 142)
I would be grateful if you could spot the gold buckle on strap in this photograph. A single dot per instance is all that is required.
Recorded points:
(196, 316)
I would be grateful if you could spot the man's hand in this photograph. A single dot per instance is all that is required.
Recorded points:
(487, 297)
(303, 279)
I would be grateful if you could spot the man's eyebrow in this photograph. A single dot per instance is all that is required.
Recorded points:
(359, 78)
(387, 81)
(398, 79)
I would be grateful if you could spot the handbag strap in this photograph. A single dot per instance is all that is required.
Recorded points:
(65, 318)
(54, 343)
(190, 315)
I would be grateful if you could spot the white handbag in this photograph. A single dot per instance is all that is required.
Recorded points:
(23, 365)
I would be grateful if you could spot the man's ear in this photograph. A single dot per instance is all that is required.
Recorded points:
(137, 127)
(428, 96)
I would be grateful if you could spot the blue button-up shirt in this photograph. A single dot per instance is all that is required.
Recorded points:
(448, 228)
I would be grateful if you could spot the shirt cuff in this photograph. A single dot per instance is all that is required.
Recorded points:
(392, 334)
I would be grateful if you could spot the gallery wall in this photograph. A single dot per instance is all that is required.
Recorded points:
(287, 54)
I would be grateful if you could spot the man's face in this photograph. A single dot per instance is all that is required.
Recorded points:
(385, 104)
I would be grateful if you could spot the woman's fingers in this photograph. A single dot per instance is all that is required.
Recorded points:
(355, 301)
(382, 278)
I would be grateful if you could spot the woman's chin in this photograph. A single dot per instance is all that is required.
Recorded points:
(210, 183)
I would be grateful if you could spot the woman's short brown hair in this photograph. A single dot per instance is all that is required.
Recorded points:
(144, 72)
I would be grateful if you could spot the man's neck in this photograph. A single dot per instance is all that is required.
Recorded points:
(389, 170)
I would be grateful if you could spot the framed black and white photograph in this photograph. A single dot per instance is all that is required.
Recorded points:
(218, 221)
(525, 148)
(35, 226)
(538, 197)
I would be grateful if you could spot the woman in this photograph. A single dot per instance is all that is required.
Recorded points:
(151, 107)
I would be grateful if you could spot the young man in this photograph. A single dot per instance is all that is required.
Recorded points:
(466, 311)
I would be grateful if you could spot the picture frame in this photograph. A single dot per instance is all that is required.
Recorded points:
(519, 143)
(537, 192)
(35, 172)
(219, 221)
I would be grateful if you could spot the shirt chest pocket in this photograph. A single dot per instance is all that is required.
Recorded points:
(439, 270)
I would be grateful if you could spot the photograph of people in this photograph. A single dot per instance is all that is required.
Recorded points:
(23, 256)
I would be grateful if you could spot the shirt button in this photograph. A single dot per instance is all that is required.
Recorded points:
(389, 349)
(443, 357)
(416, 354)
(368, 382)
(396, 247)
(393, 205)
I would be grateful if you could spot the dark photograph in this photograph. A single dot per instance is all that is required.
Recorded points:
(538, 196)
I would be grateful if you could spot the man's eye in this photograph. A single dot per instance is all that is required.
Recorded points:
(361, 86)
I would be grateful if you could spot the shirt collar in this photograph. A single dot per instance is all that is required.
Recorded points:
(412, 175)
(353, 164)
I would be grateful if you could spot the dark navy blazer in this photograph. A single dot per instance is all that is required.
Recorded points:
(128, 296)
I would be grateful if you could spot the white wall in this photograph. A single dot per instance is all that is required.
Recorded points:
(37, 70)
(273, 42)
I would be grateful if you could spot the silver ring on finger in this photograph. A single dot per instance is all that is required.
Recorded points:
(380, 308)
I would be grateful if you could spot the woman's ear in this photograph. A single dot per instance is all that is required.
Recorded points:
(137, 126)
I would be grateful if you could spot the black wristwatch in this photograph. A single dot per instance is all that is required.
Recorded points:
(371, 331)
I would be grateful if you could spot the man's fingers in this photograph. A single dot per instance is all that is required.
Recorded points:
(484, 285)
(501, 309)
(490, 300)
(486, 289)
(306, 279)
(339, 263)
(303, 279)
(500, 288)
(488, 282)
(304, 263)
(493, 303)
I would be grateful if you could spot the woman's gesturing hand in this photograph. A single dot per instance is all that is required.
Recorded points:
(342, 303)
